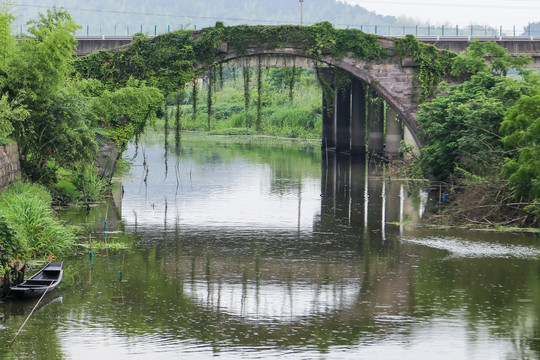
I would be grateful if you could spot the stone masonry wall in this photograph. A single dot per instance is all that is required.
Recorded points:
(10, 168)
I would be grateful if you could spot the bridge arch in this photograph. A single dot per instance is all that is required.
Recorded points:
(390, 79)
(382, 63)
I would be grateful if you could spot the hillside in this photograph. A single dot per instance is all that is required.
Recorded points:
(105, 17)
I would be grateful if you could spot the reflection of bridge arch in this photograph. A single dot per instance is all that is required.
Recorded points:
(345, 125)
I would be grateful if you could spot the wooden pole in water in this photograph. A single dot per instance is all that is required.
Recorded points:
(25, 321)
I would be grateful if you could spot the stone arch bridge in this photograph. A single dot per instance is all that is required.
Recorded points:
(347, 126)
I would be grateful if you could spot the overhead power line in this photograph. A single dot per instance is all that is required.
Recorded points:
(155, 14)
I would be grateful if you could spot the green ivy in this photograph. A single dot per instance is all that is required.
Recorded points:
(433, 65)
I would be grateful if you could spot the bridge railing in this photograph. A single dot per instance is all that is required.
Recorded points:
(471, 31)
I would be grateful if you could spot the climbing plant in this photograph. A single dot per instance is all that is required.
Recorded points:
(246, 72)
(259, 97)
(194, 93)
(211, 81)
(178, 123)
(291, 81)
(433, 65)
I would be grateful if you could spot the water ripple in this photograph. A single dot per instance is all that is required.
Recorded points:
(477, 249)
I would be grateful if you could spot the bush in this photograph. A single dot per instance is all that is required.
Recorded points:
(89, 183)
(28, 225)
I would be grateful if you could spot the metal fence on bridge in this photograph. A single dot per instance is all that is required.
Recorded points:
(471, 31)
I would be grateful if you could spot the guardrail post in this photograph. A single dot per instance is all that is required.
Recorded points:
(514, 30)
(155, 30)
(429, 30)
(457, 30)
(87, 29)
(442, 30)
(416, 30)
(375, 29)
(472, 29)
(500, 32)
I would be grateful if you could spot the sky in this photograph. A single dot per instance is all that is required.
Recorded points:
(495, 13)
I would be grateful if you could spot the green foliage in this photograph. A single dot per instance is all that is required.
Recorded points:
(461, 127)
(28, 225)
(88, 182)
(45, 113)
(433, 65)
(521, 130)
(486, 57)
(462, 133)
(10, 112)
(44, 60)
(279, 116)
(8, 44)
(232, 131)
(126, 111)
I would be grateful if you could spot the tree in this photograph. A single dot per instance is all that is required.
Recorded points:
(460, 128)
(486, 57)
(521, 128)
(53, 126)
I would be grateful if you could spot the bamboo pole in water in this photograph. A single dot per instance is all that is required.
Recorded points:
(25, 321)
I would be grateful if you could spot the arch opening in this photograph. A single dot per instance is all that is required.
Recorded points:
(352, 124)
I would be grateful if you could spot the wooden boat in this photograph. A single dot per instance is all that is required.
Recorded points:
(45, 280)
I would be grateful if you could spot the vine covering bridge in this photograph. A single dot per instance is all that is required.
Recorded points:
(401, 71)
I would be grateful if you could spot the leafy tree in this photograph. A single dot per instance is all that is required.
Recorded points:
(47, 114)
(10, 112)
(486, 57)
(521, 128)
(460, 128)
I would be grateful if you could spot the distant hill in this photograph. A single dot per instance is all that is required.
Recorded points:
(106, 17)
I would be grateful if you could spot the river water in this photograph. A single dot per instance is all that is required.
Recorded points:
(257, 251)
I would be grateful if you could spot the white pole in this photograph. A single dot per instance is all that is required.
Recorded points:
(301, 12)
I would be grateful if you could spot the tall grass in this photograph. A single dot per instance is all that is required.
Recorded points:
(30, 227)
(299, 118)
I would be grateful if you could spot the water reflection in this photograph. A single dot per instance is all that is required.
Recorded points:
(260, 252)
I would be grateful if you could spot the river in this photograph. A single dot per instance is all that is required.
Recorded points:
(262, 250)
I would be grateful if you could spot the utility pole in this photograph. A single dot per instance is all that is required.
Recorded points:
(301, 12)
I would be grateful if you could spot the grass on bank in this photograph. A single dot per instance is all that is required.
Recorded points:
(299, 118)
(28, 226)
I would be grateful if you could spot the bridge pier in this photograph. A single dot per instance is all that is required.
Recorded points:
(345, 122)
(343, 118)
(376, 128)
(358, 118)
(393, 133)
(328, 113)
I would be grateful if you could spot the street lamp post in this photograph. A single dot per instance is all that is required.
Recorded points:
(301, 12)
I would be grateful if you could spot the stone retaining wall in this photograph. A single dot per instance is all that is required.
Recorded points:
(10, 168)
